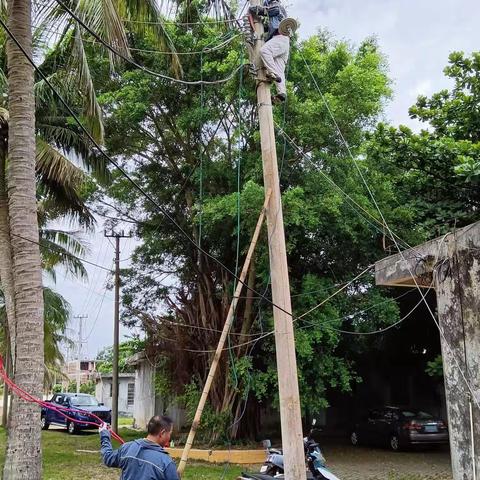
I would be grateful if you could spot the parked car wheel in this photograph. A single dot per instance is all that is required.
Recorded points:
(354, 439)
(394, 443)
(71, 428)
(44, 423)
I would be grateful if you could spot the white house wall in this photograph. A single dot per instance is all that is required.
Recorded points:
(102, 393)
(144, 404)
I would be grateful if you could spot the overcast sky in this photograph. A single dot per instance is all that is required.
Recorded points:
(416, 36)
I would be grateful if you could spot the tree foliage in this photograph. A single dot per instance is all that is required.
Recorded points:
(196, 152)
(125, 351)
(436, 172)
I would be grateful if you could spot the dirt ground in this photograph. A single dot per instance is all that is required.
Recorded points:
(365, 463)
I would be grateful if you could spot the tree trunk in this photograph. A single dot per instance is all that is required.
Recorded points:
(6, 257)
(23, 459)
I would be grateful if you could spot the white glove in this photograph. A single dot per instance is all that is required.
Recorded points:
(103, 428)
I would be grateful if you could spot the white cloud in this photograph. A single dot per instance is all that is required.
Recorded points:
(423, 87)
(416, 36)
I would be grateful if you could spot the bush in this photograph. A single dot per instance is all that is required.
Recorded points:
(214, 426)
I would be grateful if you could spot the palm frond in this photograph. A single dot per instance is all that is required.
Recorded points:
(57, 168)
(61, 181)
(54, 256)
(56, 314)
(144, 17)
(72, 241)
(83, 81)
(103, 17)
(58, 131)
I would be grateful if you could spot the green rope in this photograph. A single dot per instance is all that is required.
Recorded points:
(239, 166)
(202, 100)
(239, 171)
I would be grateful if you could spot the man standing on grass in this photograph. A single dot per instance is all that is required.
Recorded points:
(143, 459)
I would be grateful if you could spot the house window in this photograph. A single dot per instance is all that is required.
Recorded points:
(130, 394)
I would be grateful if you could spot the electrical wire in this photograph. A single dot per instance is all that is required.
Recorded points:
(373, 332)
(265, 335)
(98, 313)
(129, 60)
(372, 196)
(379, 226)
(52, 31)
(124, 172)
(60, 250)
(172, 22)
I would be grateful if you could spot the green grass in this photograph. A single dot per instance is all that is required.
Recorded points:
(62, 459)
(125, 421)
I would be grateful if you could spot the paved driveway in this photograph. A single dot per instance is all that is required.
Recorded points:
(355, 463)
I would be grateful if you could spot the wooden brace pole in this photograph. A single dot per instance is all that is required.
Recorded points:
(223, 339)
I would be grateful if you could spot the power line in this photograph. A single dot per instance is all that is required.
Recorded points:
(372, 196)
(53, 31)
(354, 203)
(172, 22)
(137, 65)
(59, 249)
(262, 336)
(373, 332)
(123, 171)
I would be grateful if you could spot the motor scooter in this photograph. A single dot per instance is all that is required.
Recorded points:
(273, 466)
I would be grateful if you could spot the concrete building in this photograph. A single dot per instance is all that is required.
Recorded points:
(87, 370)
(126, 392)
(147, 403)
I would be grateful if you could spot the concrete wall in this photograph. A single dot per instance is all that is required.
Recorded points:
(147, 403)
(144, 405)
(103, 389)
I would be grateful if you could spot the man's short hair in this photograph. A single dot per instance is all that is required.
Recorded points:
(159, 423)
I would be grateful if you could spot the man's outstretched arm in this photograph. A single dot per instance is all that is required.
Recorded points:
(111, 457)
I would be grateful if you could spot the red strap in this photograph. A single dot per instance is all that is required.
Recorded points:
(61, 410)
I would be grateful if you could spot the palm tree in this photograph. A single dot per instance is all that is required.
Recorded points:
(23, 434)
(20, 273)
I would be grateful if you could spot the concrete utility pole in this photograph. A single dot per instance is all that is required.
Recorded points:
(451, 265)
(116, 326)
(290, 413)
(80, 319)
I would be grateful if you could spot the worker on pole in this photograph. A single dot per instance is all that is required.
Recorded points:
(276, 49)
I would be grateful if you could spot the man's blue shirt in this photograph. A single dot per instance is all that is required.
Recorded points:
(139, 460)
(276, 13)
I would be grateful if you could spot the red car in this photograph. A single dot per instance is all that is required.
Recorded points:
(398, 427)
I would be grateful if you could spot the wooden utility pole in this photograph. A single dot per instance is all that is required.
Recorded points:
(451, 265)
(223, 338)
(290, 413)
(80, 319)
(116, 327)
